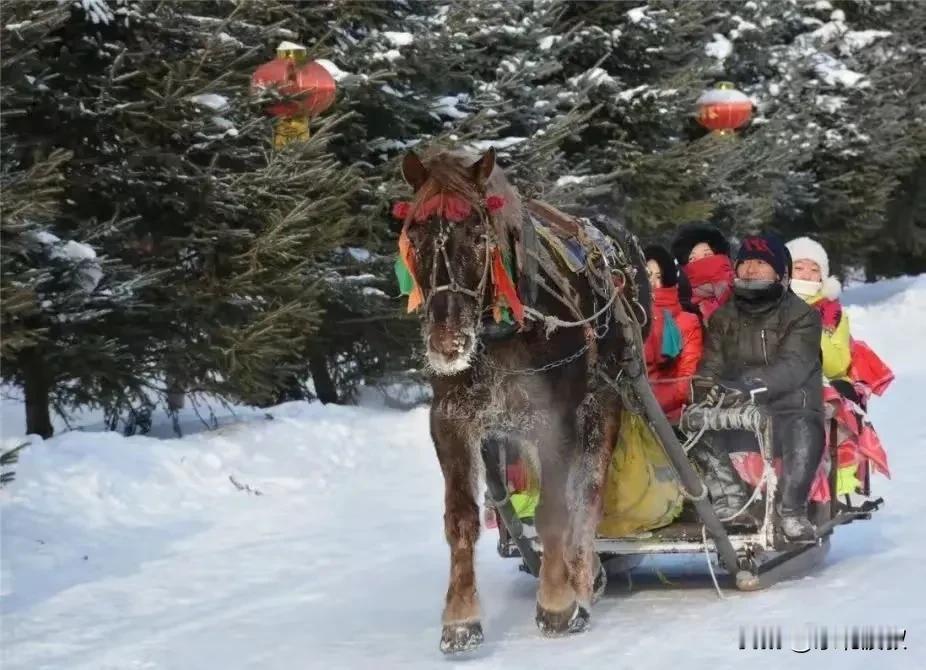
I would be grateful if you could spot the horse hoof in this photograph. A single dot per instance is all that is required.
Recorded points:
(460, 637)
(573, 619)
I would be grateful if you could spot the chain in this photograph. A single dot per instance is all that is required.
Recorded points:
(536, 371)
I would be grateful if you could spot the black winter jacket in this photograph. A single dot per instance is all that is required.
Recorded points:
(777, 343)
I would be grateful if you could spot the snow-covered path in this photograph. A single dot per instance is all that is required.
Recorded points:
(138, 553)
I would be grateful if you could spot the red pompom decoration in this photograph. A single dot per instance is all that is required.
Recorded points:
(495, 203)
(401, 209)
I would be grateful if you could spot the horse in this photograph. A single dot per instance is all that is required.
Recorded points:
(521, 348)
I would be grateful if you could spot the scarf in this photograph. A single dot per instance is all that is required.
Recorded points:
(667, 298)
(710, 277)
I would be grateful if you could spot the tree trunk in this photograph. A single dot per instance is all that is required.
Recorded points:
(36, 389)
(291, 390)
(324, 384)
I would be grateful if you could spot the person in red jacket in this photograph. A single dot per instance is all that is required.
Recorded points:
(673, 348)
(703, 253)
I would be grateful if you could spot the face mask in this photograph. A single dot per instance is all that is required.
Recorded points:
(757, 290)
(806, 289)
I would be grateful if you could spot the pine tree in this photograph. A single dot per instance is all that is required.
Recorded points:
(173, 178)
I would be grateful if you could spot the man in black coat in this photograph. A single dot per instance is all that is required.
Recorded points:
(764, 346)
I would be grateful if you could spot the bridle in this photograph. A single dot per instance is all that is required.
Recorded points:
(452, 286)
(442, 257)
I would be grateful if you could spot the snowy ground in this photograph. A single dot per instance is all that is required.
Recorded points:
(140, 553)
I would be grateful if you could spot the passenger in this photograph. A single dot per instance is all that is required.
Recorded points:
(764, 346)
(673, 348)
(858, 443)
(703, 253)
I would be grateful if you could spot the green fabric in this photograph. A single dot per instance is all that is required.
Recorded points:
(525, 503)
(671, 336)
(406, 283)
(846, 480)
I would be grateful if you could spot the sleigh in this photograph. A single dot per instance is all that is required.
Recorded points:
(753, 558)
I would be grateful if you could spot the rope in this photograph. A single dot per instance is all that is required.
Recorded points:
(710, 565)
(551, 322)
(745, 417)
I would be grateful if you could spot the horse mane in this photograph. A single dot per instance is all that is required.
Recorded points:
(450, 171)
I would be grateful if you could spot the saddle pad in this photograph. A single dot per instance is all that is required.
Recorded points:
(569, 251)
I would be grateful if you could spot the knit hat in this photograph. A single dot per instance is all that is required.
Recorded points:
(692, 234)
(768, 248)
(805, 248)
(662, 257)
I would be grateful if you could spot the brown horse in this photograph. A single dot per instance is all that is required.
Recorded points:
(546, 387)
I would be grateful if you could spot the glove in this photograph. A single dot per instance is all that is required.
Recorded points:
(737, 392)
(700, 387)
(830, 314)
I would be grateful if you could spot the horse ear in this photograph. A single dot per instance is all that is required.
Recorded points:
(482, 169)
(414, 171)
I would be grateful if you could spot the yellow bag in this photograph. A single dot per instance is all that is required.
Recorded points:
(641, 488)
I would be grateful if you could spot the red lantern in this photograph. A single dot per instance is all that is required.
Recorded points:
(310, 86)
(724, 109)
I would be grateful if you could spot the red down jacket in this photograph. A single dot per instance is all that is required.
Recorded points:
(671, 378)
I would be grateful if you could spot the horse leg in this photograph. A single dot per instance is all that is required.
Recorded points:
(557, 611)
(462, 629)
(599, 432)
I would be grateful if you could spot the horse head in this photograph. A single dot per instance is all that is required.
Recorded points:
(456, 229)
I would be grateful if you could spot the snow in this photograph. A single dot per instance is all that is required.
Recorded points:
(337, 73)
(315, 540)
(98, 11)
(373, 292)
(570, 179)
(721, 95)
(398, 39)
(286, 45)
(546, 43)
(504, 143)
(720, 48)
(830, 103)
(46, 238)
(596, 76)
(359, 254)
(859, 39)
(835, 73)
(447, 106)
(389, 55)
(78, 251)
(637, 14)
(631, 93)
(210, 100)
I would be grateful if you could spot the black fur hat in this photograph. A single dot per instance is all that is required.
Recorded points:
(658, 253)
(692, 234)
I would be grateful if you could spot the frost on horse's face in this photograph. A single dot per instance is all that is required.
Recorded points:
(449, 235)
(452, 318)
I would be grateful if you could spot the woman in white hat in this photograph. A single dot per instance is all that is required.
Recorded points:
(859, 448)
(812, 281)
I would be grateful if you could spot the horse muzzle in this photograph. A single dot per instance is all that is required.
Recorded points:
(450, 351)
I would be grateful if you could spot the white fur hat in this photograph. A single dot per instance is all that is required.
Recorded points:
(802, 248)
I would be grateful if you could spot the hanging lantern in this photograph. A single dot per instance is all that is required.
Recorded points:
(723, 109)
(310, 87)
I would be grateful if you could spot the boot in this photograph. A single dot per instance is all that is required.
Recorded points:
(726, 489)
(802, 449)
(795, 525)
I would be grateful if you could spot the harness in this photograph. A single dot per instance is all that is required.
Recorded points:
(551, 248)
